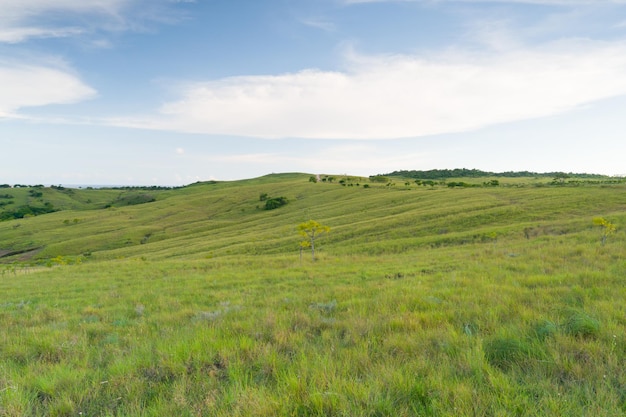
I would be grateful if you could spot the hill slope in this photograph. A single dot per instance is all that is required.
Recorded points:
(429, 301)
(228, 218)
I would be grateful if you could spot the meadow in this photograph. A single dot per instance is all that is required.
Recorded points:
(422, 301)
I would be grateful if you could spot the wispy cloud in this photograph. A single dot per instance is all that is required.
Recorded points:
(317, 23)
(26, 85)
(20, 34)
(26, 19)
(400, 96)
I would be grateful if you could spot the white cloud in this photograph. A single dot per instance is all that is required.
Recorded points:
(19, 34)
(25, 85)
(26, 19)
(400, 96)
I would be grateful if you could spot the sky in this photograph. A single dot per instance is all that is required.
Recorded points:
(170, 92)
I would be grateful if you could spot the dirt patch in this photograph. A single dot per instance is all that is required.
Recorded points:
(24, 254)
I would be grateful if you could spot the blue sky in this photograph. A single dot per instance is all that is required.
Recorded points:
(171, 92)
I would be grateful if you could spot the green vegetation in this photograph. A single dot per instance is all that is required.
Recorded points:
(424, 300)
(275, 202)
(26, 211)
(311, 231)
(608, 228)
(439, 174)
(272, 203)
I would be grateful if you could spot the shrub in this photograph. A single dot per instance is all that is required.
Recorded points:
(275, 202)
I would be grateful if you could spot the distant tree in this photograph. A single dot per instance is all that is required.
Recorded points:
(313, 179)
(311, 230)
(560, 177)
(379, 178)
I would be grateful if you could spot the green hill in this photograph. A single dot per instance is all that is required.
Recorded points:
(425, 298)
(228, 218)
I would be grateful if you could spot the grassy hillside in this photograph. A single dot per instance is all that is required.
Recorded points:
(425, 300)
(218, 219)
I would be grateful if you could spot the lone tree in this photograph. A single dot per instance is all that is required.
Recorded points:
(608, 228)
(311, 231)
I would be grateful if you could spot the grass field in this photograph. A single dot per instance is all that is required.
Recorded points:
(423, 301)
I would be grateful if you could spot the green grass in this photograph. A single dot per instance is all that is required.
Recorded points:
(442, 302)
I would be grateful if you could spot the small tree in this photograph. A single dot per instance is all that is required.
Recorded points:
(311, 231)
(608, 228)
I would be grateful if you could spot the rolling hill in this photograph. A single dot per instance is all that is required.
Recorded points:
(228, 218)
(427, 298)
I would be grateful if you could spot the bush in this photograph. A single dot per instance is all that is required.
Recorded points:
(275, 202)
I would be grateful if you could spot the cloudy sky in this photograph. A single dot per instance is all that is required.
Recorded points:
(175, 91)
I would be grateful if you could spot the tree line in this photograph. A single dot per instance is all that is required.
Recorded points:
(439, 174)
